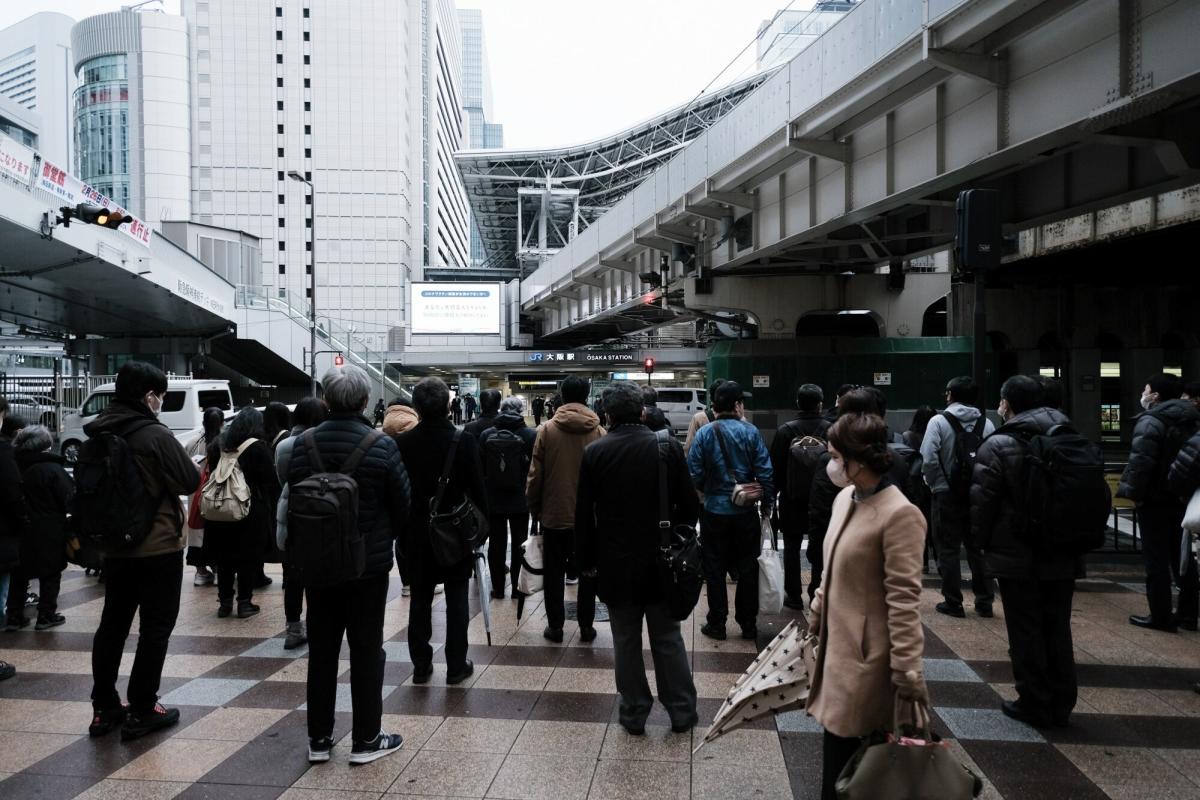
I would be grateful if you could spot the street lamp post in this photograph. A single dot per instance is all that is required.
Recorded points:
(312, 280)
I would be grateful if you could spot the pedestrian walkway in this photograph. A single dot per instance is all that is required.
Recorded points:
(539, 720)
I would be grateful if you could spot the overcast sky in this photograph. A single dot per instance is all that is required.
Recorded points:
(570, 71)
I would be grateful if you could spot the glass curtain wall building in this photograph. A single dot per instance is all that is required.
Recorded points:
(102, 125)
(477, 102)
(131, 111)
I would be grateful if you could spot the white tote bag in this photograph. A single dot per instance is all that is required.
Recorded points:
(532, 563)
(770, 573)
(1191, 517)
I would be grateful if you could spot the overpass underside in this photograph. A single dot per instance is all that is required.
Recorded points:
(847, 161)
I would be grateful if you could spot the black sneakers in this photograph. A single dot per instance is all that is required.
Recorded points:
(467, 671)
(950, 610)
(140, 723)
(319, 750)
(104, 721)
(247, 610)
(16, 623)
(553, 634)
(377, 748)
(49, 621)
(713, 631)
(422, 674)
(587, 634)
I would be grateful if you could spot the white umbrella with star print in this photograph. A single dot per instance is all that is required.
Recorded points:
(778, 680)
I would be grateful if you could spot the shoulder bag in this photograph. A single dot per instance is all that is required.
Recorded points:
(744, 494)
(679, 566)
(454, 533)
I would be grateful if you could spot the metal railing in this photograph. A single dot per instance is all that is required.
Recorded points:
(329, 335)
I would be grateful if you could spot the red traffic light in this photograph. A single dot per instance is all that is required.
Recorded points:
(649, 365)
(338, 361)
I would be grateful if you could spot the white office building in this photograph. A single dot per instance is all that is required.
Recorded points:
(446, 216)
(132, 117)
(37, 79)
(338, 93)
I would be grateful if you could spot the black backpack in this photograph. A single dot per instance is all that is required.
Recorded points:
(113, 510)
(1067, 499)
(505, 461)
(804, 455)
(324, 542)
(966, 445)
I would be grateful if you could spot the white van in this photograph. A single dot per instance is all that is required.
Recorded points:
(182, 411)
(680, 404)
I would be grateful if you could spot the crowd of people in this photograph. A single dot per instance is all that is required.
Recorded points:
(339, 502)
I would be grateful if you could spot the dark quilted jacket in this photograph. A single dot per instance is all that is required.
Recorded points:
(998, 488)
(1184, 478)
(383, 487)
(1143, 480)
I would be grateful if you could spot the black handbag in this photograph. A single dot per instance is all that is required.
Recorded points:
(679, 566)
(454, 534)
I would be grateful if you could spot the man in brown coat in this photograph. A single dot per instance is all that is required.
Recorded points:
(144, 580)
(551, 491)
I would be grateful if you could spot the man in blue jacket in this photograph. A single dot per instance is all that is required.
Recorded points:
(726, 452)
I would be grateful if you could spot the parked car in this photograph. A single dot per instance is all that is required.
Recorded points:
(182, 411)
(36, 409)
(680, 404)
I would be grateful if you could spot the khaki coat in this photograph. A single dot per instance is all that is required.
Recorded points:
(869, 611)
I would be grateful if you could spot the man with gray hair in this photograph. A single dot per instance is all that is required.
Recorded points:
(617, 517)
(353, 607)
(507, 452)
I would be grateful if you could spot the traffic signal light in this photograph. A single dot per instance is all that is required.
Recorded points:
(338, 361)
(649, 366)
(92, 215)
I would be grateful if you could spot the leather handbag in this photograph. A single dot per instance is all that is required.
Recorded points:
(454, 533)
(680, 570)
(744, 494)
(891, 766)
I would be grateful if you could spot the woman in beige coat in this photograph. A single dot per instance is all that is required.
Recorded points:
(867, 611)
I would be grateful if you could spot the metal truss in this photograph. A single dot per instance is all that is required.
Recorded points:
(602, 172)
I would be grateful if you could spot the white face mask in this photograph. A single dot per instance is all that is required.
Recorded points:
(1004, 411)
(154, 403)
(836, 470)
(1147, 401)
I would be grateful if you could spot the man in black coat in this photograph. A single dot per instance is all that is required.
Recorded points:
(425, 449)
(354, 608)
(506, 473)
(539, 410)
(616, 519)
(1158, 436)
(793, 508)
(489, 403)
(13, 519)
(1035, 586)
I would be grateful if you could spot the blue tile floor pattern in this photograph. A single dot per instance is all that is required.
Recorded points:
(208, 691)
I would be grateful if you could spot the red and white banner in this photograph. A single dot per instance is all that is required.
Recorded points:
(16, 160)
(72, 191)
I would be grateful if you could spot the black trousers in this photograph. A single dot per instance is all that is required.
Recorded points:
(18, 587)
(952, 523)
(148, 587)
(672, 668)
(836, 752)
(815, 552)
(356, 610)
(729, 543)
(1038, 617)
(244, 571)
(794, 521)
(293, 593)
(499, 527)
(420, 623)
(1161, 530)
(558, 553)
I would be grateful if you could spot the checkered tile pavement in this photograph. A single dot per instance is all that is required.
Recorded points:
(539, 720)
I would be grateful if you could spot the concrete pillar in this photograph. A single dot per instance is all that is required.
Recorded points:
(1084, 380)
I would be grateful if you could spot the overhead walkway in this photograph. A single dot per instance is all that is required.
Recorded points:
(847, 160)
